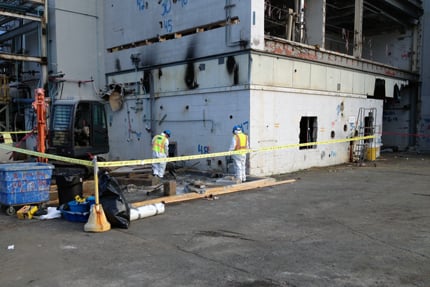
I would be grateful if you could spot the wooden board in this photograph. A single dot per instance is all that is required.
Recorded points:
(210, 192)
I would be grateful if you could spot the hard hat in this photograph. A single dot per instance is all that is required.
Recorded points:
(167, 132)
(236, 128)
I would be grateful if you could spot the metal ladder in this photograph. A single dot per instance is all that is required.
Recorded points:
(365, 125)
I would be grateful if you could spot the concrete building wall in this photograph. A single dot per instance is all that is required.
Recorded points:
(399, 121)
(200, 119)
(396, 50)
(266, 93)
(75, 46)
(284, 91)
(201, 123)
(269, 107)
(275, 119)
(200, 67)
(161, 32)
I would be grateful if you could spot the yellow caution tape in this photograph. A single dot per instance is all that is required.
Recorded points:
(177, 158)
(47, 155)
(19, 132)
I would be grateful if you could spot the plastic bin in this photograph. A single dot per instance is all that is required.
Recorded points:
(68, 186)
(25, 183)
(73, 215)
(85, 206)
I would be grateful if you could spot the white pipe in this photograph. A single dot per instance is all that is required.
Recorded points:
(146, 211)
(302, 21)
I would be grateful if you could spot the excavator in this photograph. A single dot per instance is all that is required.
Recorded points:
(77, 128)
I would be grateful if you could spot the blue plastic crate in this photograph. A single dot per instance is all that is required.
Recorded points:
(22, 183)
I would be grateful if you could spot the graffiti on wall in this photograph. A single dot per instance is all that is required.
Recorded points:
(244, 126)
(203, 149)
(166, 11)
(390, 116)
(141, 5)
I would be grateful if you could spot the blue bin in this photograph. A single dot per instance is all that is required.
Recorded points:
(25, 183)
(79, 206)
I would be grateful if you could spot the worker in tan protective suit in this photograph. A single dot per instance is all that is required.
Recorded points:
(239, 142)
(160, 149)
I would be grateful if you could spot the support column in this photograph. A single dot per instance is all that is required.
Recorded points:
(314, 15)
(358, 29)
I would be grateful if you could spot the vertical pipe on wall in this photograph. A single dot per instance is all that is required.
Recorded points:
(290, 24)
(228, 7)
(43, 45)
(151, 104)
(324, 4)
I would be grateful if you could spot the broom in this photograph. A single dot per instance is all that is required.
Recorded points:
(97, 221)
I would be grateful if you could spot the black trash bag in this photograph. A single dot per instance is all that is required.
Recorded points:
(114, 204)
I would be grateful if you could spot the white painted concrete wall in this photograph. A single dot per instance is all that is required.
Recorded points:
(284, 90)
(276, 118)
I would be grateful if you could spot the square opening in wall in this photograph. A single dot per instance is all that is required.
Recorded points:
(308, 132)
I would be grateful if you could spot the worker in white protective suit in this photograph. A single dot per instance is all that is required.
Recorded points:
(160, 149)
(239, 142)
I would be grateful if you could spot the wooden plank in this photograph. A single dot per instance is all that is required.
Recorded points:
(213, 191)
(238, 187)
(169, 199)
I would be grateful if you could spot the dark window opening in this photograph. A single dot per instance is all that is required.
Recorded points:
(308, 132)
(379, 92)
(369, 129)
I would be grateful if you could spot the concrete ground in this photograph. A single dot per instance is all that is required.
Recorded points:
(337, 226)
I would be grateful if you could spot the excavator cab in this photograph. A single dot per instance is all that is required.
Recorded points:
(78, 129)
